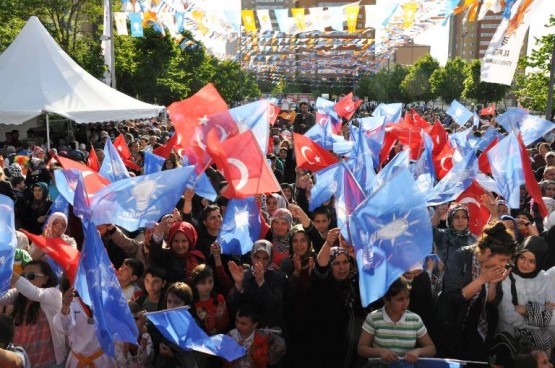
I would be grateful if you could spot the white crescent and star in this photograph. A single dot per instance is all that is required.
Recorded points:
(223, 133)
(242, 170)
(303, 152)
(466, 200)
(199, 140)
(442, 163)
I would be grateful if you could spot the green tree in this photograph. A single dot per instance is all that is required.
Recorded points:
(417, 82)
(532, 88)
(448, 82)
(384, 86)
(482, 92)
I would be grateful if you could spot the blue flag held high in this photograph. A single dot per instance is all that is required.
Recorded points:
(460, 141)
(99, 288)
(361, 161)
(349, 196)
(254, 117)
(399, 162)
(391, 112)
(202, 186)
(241, 226)
(153, 163)
(488, 137)
(511, 119)
(391, 232)
(8, 242)
(178, 326)
(373, 129)
(533, 128)
(325, 187)
(455, 182)
(113, 167)
(423, 169)
(133, 202)
(506, 167)
(136, 24)
(321, 134)
(459, 113)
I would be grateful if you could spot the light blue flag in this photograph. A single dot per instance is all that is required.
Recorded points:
(234, 18)
(391, 232)
(391, 112)
(321, 135)
(349, 196)
(459, 113)
(202, 186)
(66, 181)
(254, 117)
(460, 141)
(8, 242)
(133, 202)
(241, 226)
(511, 119)
(455, 182)
(361, 161)
(336, 18)
(325, 186)
(533, 128)
(178, 326)
(400, 161)
(506, 168)
(374, 130)
(113, 167)
(326, 107)
(341, 146)
(82, 201)
(423, 170)
(136, 24)
(486, 139)
(179, 18)
(283, 19)
(153, 163)
(99, 288)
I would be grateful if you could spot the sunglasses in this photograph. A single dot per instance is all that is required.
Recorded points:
(31, 275)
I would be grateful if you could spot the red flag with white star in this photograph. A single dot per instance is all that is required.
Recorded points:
(310, 155)
(346, 107)
(478, 213)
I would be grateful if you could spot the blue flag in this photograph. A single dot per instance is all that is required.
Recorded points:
(391, 232)
(60, 205)
(533, 128)
(321, 135)
(8, 242)
(361, 161)
(349, 196)
(202, 186)
(400, 161)
(136, 24)
(178, 326)
(325, 187)
(460, 141)
(455, 182)
(390, 112)
(81, 201)
(133, 202)
(153, 163)
(486, 139)
(423, 169)
(241, 226)
(99, 288)
(254, 117)
(511, 119)
(112, 167)
(459, 113)
(507, 170)
(66, 181)
(374, 131)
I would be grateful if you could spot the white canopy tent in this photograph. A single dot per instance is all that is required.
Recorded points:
(38, 77)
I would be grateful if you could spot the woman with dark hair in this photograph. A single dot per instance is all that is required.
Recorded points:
(467, 307)
(36, 299)
(35, 210)
(457, 234)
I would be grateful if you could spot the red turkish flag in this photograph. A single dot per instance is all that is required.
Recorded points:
(93, 181)
(443, 162)
(490, 110)
(273, 112)
(419, 120)
(408, 135)
(63, 254)
(408, 119)
(92, 160)
(346, 107)
(532, 185)
(478, 213)
(243, 164)
(439, 136)
(310, 155)
(165, 150)
(123, 151)
(483, 162)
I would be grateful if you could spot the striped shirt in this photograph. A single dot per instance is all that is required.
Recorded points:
(399, 337)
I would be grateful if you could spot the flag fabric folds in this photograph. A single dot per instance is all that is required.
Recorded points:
(490, 110)
(349, 196)
(391, 232)
(99, 288)
(124, 153)
(243, 165)
(310, 155)
(153, 163)
(532, 185)
(391, 112)
(459, 113)
(325, 186)
(506, 168)
(478, 213)
(241, 226)
(346, 107)
(133, 202)
(360, 160)
(178, 326)
(112, 167)
(8, 242)
(63, 254)
(92, 160)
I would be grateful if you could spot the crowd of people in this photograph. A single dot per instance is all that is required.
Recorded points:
(294, 299)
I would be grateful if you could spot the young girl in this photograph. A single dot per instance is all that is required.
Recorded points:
(394, 331)
(210, 307)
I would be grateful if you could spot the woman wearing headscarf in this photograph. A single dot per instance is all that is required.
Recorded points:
(34, 211)
(528, 297)
(55, 228)
(180, 258)
(334, 312)
(457, 234)
(467, 307)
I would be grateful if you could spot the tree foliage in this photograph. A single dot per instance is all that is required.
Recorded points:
(482, 92)
(384, 86)
(448, 82)
(417, 82)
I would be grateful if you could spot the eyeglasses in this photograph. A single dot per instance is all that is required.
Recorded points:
(31, 275)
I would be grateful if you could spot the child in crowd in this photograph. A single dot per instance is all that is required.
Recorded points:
(127, 275)
(394, 331)
(245, 333)
(155, 281)
(210, 307)
(10, 355)
(139, 355)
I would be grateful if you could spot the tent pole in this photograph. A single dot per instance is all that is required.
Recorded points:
(47, 132)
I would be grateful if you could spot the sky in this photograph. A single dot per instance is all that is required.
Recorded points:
(438, 37)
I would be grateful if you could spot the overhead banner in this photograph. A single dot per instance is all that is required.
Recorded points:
(501, 58)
